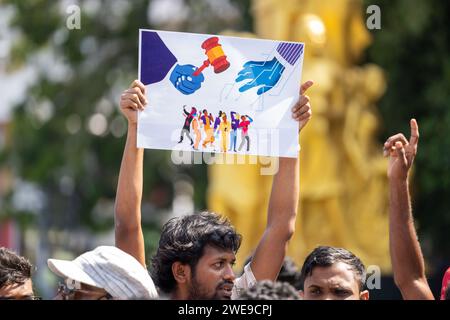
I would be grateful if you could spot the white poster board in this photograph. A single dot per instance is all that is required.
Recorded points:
(223, 94)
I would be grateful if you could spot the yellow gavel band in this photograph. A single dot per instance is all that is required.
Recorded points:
(215, 53)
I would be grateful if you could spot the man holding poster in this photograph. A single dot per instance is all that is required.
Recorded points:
(196, 252)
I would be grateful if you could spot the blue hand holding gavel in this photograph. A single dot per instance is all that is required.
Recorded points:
(188, 78)
(184, 80)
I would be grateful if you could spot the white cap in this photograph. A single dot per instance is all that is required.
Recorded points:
(109, 268)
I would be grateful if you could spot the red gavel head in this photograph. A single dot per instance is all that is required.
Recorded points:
(215, 54)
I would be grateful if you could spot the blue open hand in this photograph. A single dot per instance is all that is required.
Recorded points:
(263, 74)
(183, 79)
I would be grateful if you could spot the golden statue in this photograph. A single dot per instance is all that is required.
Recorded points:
(342, 172)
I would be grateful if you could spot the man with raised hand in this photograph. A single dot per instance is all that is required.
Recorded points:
(196, 252)
(128, 231)
(407, 260)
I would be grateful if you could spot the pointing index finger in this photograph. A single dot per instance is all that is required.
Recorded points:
(414, 133)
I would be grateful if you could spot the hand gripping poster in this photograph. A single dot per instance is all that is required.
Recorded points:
(219, 94)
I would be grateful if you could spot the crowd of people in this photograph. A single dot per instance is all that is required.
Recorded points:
(196, 252)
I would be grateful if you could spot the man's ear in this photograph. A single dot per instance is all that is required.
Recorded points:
(181, 272)
(364, 295)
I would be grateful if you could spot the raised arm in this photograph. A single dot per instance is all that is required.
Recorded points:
(271, 250)
(406, 256)
(127, 213)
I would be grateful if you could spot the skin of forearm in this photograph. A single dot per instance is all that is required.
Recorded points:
(284, 197)
(406, 256)
(271, 250)
(128, 199)
(129, 191)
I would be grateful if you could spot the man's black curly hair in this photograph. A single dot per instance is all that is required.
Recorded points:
(289, 272)
(14, 269)
(324, 256)
(184, 238)
(269, 290)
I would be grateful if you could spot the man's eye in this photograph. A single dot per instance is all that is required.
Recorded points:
(218, 264)
(315, 291)
(341, 292)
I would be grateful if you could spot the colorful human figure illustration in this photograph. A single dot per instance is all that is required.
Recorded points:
(245, 122)
(216, 130)
(208, 121)
(224, 128)
(157, 60)
(187, 123)
(197, 132)
(266, 74)
(234, 128)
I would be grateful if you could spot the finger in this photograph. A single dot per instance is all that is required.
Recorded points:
(247, 86)
(303, 115)
(400, 151)
(189, 85)
(306, 86)
(174, 77)
(414, 139)
(249, 64)
(300, 111)
(303, 100)
(390, 152)
(141, 95)
(393, 139)
(245, 70)
(298, 106)
(264, 89)
(197, 79)
(244, 76)
(126, 96)
(135, 98)
(136, 91)
(129, 104)
(304, 109)
(137, 83)
(184, 89)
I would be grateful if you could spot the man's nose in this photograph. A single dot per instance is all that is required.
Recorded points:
(229, 274)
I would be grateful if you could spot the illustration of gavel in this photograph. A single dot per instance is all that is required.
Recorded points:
(216, 56)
